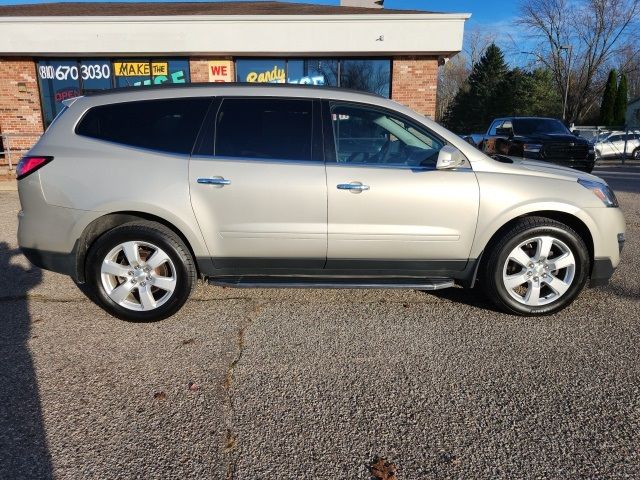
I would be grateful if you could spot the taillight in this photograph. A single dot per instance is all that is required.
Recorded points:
(28, 165)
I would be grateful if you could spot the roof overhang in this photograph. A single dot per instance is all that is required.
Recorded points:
(259, 35)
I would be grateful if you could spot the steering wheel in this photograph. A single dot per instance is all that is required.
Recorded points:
(382, 153)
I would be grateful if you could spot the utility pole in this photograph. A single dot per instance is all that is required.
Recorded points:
(569, 49)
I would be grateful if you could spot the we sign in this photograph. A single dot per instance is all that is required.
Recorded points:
(220, 71)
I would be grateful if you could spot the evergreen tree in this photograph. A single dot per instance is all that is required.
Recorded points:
(475, 105)
(609, 100)
(620, 105)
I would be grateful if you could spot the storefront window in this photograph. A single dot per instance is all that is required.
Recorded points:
(131, 72)
(96, 75)
(313, 72)
(176, 71)
(62, 79)
(261, 71)
(368, 75)
(59, 80)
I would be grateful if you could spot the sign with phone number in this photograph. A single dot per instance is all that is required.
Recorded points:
(87, 71)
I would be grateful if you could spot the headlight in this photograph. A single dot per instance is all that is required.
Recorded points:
(532, 147)
(600, 190)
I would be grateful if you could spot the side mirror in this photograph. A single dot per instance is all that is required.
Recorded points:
(449, 158)
(508, 132)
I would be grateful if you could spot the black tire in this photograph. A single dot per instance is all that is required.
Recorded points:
(636, 154)
(519, 232)
(151, 233)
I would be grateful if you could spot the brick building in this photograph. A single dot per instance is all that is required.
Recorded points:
(50, 52)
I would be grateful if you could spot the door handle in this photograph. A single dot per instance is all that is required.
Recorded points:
(214, 181)
(355, 187)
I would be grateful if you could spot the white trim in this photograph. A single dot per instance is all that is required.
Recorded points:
(261, 35)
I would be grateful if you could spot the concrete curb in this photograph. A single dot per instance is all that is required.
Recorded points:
(8, 185)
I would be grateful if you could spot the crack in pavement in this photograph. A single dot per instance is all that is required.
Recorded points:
(230, 441)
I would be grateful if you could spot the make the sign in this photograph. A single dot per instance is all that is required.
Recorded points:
(140, 69)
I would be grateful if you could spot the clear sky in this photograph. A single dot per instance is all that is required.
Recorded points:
(484, 11)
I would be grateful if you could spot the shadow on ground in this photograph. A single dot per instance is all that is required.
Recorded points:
(472, 297)
(23, 444)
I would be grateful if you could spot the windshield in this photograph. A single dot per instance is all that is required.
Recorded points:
(530, 126)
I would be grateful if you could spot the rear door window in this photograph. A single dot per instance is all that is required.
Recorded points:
(169, 125)
(264, 128)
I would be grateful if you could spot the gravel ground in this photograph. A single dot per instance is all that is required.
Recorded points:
(316, 384)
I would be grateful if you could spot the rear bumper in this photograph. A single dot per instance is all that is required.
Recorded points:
(47, 234)
(64, 263)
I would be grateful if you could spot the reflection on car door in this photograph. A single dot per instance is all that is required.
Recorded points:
(260, 194)
(389, 208)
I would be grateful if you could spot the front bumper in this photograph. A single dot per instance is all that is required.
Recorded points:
(601, 272)
(609, 243)
(584, 164)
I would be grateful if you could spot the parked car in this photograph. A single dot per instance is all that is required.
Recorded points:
(139, 193)
(618, 145)
(474, 139)
(544, 139)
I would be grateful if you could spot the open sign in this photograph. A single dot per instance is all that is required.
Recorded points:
(66, 93)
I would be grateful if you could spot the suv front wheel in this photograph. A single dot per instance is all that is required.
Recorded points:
(140, 271)
(538, 267)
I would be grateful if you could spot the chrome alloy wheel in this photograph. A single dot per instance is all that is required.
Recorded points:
(138, 276)
(539, 271)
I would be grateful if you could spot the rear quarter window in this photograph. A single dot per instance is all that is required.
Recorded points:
(169, 125)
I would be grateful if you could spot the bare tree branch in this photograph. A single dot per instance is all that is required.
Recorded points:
(598, 31)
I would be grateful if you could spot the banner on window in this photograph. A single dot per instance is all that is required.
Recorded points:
(220, 71)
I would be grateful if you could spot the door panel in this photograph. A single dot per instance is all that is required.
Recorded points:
(421, 215)
(388, 206)
(269, 210)
(260, 195)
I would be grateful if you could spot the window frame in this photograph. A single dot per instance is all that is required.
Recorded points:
(206, 142)
(494, 127)
(331, 144)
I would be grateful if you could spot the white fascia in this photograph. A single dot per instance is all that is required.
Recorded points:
(256, 35)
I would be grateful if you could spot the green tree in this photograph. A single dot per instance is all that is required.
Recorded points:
(475, 104)
(609, 99)
(620, 105)
(523, 93)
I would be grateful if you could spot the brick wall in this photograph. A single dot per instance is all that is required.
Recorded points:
(415, 82)
(199, 68)
(19, 103)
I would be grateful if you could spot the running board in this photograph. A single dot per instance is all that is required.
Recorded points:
(333, 282)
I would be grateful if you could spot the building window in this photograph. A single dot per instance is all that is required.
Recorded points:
(63, 79)
(313, 72)
(261, 71)
(369, 75)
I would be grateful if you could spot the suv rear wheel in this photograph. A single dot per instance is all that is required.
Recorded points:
(538, 267)
(140, 271)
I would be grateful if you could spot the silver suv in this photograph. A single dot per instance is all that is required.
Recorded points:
(139, 193)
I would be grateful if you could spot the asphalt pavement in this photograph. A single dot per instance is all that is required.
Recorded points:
(317, 384)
